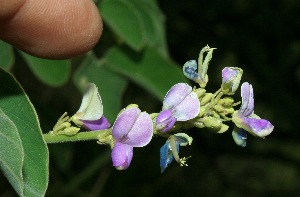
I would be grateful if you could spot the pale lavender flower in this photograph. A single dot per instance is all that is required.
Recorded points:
(246, 119)
(132, 128)
(180, 104)
(90, 113)
(231, 77)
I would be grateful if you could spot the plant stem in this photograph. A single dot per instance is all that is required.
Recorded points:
(81, 136)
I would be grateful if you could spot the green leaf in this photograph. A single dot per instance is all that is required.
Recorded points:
(111, 86)
(16, 105)
(11, 153)
(149, 69)
(7, 57)
(51, 72)
(123, 20)
(137, 22)
(152, 22)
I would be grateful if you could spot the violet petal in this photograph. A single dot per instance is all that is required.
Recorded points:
(121, 155)
(165, 121)
(257, 127)
(228, 74)
(247, 100)
(175, 95)
(141, 132)
(124, 123)
(94, 125)
(188, 109)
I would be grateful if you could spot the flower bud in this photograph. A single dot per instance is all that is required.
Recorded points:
(231, 77)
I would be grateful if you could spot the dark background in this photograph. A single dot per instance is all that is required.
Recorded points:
(261, 37)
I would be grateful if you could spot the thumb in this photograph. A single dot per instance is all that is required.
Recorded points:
(56, 29)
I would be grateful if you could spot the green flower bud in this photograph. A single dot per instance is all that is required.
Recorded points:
(206, 98)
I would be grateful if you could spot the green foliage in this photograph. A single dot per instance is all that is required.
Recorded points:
(139, 23)
(148, 69)
(7, 57)
(16, 106)
(51, 72)
(11, 153)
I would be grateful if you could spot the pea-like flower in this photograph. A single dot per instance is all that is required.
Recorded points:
(90, 113)
(180, 104)
(231, 77)
(132, 128)
(170, 150)
(246, 119)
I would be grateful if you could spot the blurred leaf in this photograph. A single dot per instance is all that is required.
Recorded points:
(51, 72)
(7, 57)
(137, 22)
(124, 20)
(149, 69)
(152, 22)
(111, 86)
(11, 153)
(16, 105)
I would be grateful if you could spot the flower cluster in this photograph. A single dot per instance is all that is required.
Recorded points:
(184, 107)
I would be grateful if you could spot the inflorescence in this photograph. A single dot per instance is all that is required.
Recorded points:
(184, 107)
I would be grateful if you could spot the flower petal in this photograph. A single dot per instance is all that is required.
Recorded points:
(257, 127)
(247, 100)
(189, 70)
(165, 121)
(142, 131)
(176, 95)
(188, 109)
(231, 77)
(166, 156)
(94, 125)
(121, 155)
(91, 106)
(124, 123)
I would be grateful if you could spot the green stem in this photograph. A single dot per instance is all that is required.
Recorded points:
(81, 136)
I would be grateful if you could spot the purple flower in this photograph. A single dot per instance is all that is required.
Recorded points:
(90, 113)
(231, 77)
(180, 104)
(132, 128)
(246, 119)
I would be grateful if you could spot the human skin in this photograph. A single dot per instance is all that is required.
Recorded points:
(55, 29)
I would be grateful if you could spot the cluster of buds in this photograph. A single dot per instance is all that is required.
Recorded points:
(184, 107)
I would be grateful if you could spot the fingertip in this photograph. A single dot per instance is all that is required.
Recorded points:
(54, 29)
(9, 7)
